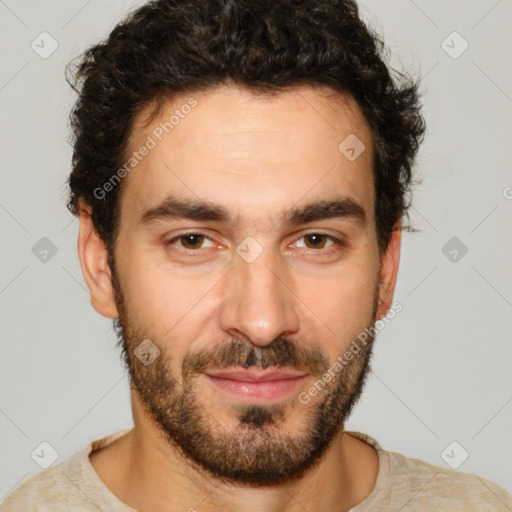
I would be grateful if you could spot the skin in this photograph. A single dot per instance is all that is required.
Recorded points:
(258, 157)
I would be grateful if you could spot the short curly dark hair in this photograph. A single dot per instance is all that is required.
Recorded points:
(168, 47)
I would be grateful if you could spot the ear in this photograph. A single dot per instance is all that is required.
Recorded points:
(94, 262)
(389, 270)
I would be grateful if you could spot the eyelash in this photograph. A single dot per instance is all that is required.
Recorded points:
(338, 243)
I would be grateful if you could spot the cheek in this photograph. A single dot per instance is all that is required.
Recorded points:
(154, 299)
(171, 308)
(343, 303)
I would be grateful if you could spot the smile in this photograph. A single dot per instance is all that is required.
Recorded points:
(257, 386)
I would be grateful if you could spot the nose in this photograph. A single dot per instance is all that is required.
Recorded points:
(259, 304)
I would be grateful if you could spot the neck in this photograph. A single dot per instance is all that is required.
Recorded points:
(148, 474)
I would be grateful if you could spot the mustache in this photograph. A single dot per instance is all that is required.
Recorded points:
(280, 352)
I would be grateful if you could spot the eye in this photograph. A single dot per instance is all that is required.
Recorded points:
(189, 242)
(318, 241)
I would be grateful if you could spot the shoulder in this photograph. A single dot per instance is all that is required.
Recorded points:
(423, 484)
(414, 485)
(69, 485)
(50, 486)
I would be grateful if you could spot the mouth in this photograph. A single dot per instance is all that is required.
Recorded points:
(256, 386)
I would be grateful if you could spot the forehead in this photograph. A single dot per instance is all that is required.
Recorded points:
(254, 154)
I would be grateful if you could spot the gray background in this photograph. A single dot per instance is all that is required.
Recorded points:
(441, 367)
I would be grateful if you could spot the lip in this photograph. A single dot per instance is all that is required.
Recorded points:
(257, 386)
(251, 375)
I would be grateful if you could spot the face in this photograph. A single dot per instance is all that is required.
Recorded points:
(247, 258)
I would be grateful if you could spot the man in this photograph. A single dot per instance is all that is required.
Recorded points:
(241, 170)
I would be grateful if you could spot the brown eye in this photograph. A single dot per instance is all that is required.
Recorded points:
(317, 240)
(193, 244)
(191, 241)
(321, 243)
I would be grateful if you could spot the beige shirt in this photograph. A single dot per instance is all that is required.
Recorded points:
(403, 484)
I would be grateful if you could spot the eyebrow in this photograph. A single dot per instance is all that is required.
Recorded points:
(175, 207)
